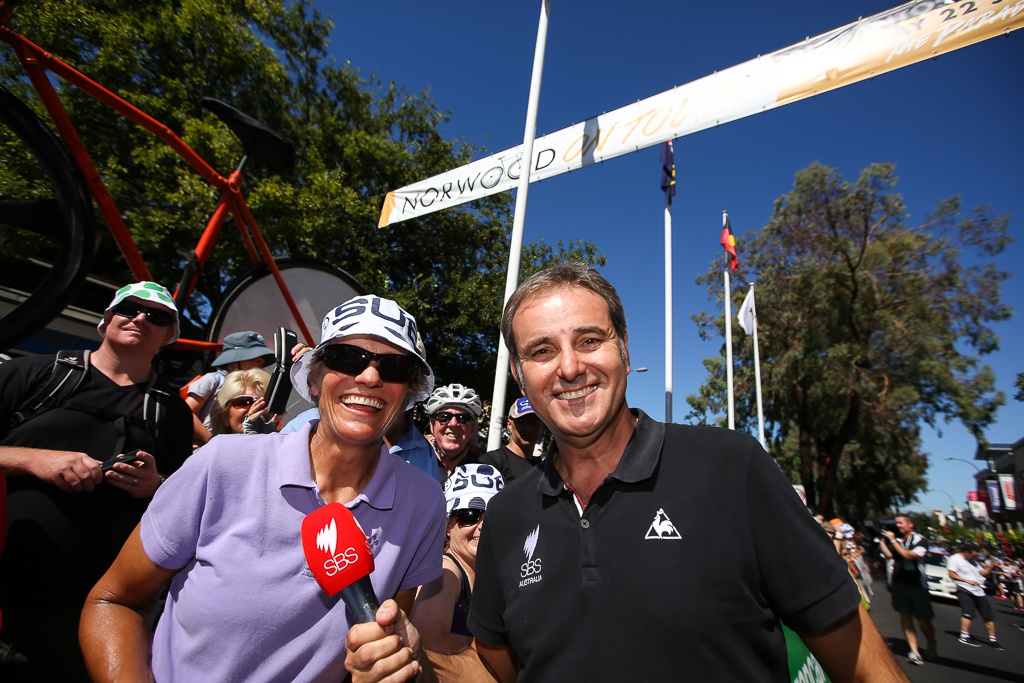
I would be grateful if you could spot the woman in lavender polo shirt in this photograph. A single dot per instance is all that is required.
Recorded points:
(224, 532)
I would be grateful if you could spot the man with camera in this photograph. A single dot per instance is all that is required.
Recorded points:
(905, 550)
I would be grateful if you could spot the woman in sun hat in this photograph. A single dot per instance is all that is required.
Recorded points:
(241, 407)
(442, 607)
(240, 351)
(225, 532)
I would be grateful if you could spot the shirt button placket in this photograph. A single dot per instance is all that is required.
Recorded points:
(588, 550)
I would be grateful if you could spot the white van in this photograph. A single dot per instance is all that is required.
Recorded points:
(939, 583)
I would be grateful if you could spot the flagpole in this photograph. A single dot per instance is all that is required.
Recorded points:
(728, 334)
(757, 374)
(668, 309)
(518, 218)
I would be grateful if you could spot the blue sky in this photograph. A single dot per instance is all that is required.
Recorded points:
(950, 124)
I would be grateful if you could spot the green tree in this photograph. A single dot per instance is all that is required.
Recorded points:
(356, 138)
(868, 327)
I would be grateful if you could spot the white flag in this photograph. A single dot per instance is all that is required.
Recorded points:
(747, 315)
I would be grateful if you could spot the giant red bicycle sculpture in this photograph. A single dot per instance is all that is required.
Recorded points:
(45, 198)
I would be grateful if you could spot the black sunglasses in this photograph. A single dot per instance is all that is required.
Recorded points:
(445, 418)
(244, 401)
(466, 518)
(160, 317)
(352, 360)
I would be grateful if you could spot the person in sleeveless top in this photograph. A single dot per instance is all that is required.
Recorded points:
(441, 607)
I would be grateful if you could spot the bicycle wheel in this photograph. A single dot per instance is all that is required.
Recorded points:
(253, 302)
(46, 224)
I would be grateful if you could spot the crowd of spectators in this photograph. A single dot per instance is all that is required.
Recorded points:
(69, 517)
(208, 514)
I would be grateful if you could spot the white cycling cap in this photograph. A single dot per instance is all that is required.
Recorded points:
(148, 292)
(470, 487)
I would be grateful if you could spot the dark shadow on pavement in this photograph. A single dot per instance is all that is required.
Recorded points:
(900, 649)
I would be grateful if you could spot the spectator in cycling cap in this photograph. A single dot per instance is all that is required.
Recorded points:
(525, 429)
(62, 503)
(453, 411)
(442, 606)
(149, 298)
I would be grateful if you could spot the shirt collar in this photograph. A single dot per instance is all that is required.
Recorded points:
(380, 492)
(638, 461)
(410, 440)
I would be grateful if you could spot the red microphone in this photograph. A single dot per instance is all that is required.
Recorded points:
(339, 556)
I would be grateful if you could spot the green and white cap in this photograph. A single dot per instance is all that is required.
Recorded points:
(149, 293)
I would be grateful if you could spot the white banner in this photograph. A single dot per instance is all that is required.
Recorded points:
(894, 38)
(978, 510)
(1009, 491)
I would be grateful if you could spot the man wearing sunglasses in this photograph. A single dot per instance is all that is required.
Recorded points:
(69, 517)
(453, 411)
(516, 458)
(601, 542)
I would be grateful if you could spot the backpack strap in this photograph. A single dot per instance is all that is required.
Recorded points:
(69, 370)
(154, 413)
(155, 408)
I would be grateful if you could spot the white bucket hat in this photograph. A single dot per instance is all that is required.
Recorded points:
(375, 316)
(148, 292)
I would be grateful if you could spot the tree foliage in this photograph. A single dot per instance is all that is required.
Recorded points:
(356, 137)
(867, 327)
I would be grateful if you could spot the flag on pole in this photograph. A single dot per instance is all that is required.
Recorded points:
(668, 171)
(729, 242)
(748, 315)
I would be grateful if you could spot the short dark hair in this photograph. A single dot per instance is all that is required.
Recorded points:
(906, 517)
(564, 275)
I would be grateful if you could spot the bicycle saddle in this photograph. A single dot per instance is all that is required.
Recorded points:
(257, 139)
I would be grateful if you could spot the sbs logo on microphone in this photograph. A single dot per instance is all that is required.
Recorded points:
(341, 561)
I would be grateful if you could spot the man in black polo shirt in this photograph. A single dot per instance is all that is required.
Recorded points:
(643, 550)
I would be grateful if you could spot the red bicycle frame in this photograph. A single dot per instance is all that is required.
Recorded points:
(36, 61)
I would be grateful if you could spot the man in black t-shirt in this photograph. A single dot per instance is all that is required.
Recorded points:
(516, 458)
(67, 518)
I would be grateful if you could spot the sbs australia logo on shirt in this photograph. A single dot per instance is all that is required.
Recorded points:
(529, 572)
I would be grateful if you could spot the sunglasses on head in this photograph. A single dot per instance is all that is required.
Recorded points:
(243, 401)
(352, 360)
(467, 518)
(445, 418)
(160, 317)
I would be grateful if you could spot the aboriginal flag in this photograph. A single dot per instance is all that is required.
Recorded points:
(668, 171)
(729, 243)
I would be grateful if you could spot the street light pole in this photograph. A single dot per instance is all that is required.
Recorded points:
(976, 468)
(977, 472)
(952, 504)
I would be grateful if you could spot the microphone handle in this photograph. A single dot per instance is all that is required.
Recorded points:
(361, 600)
